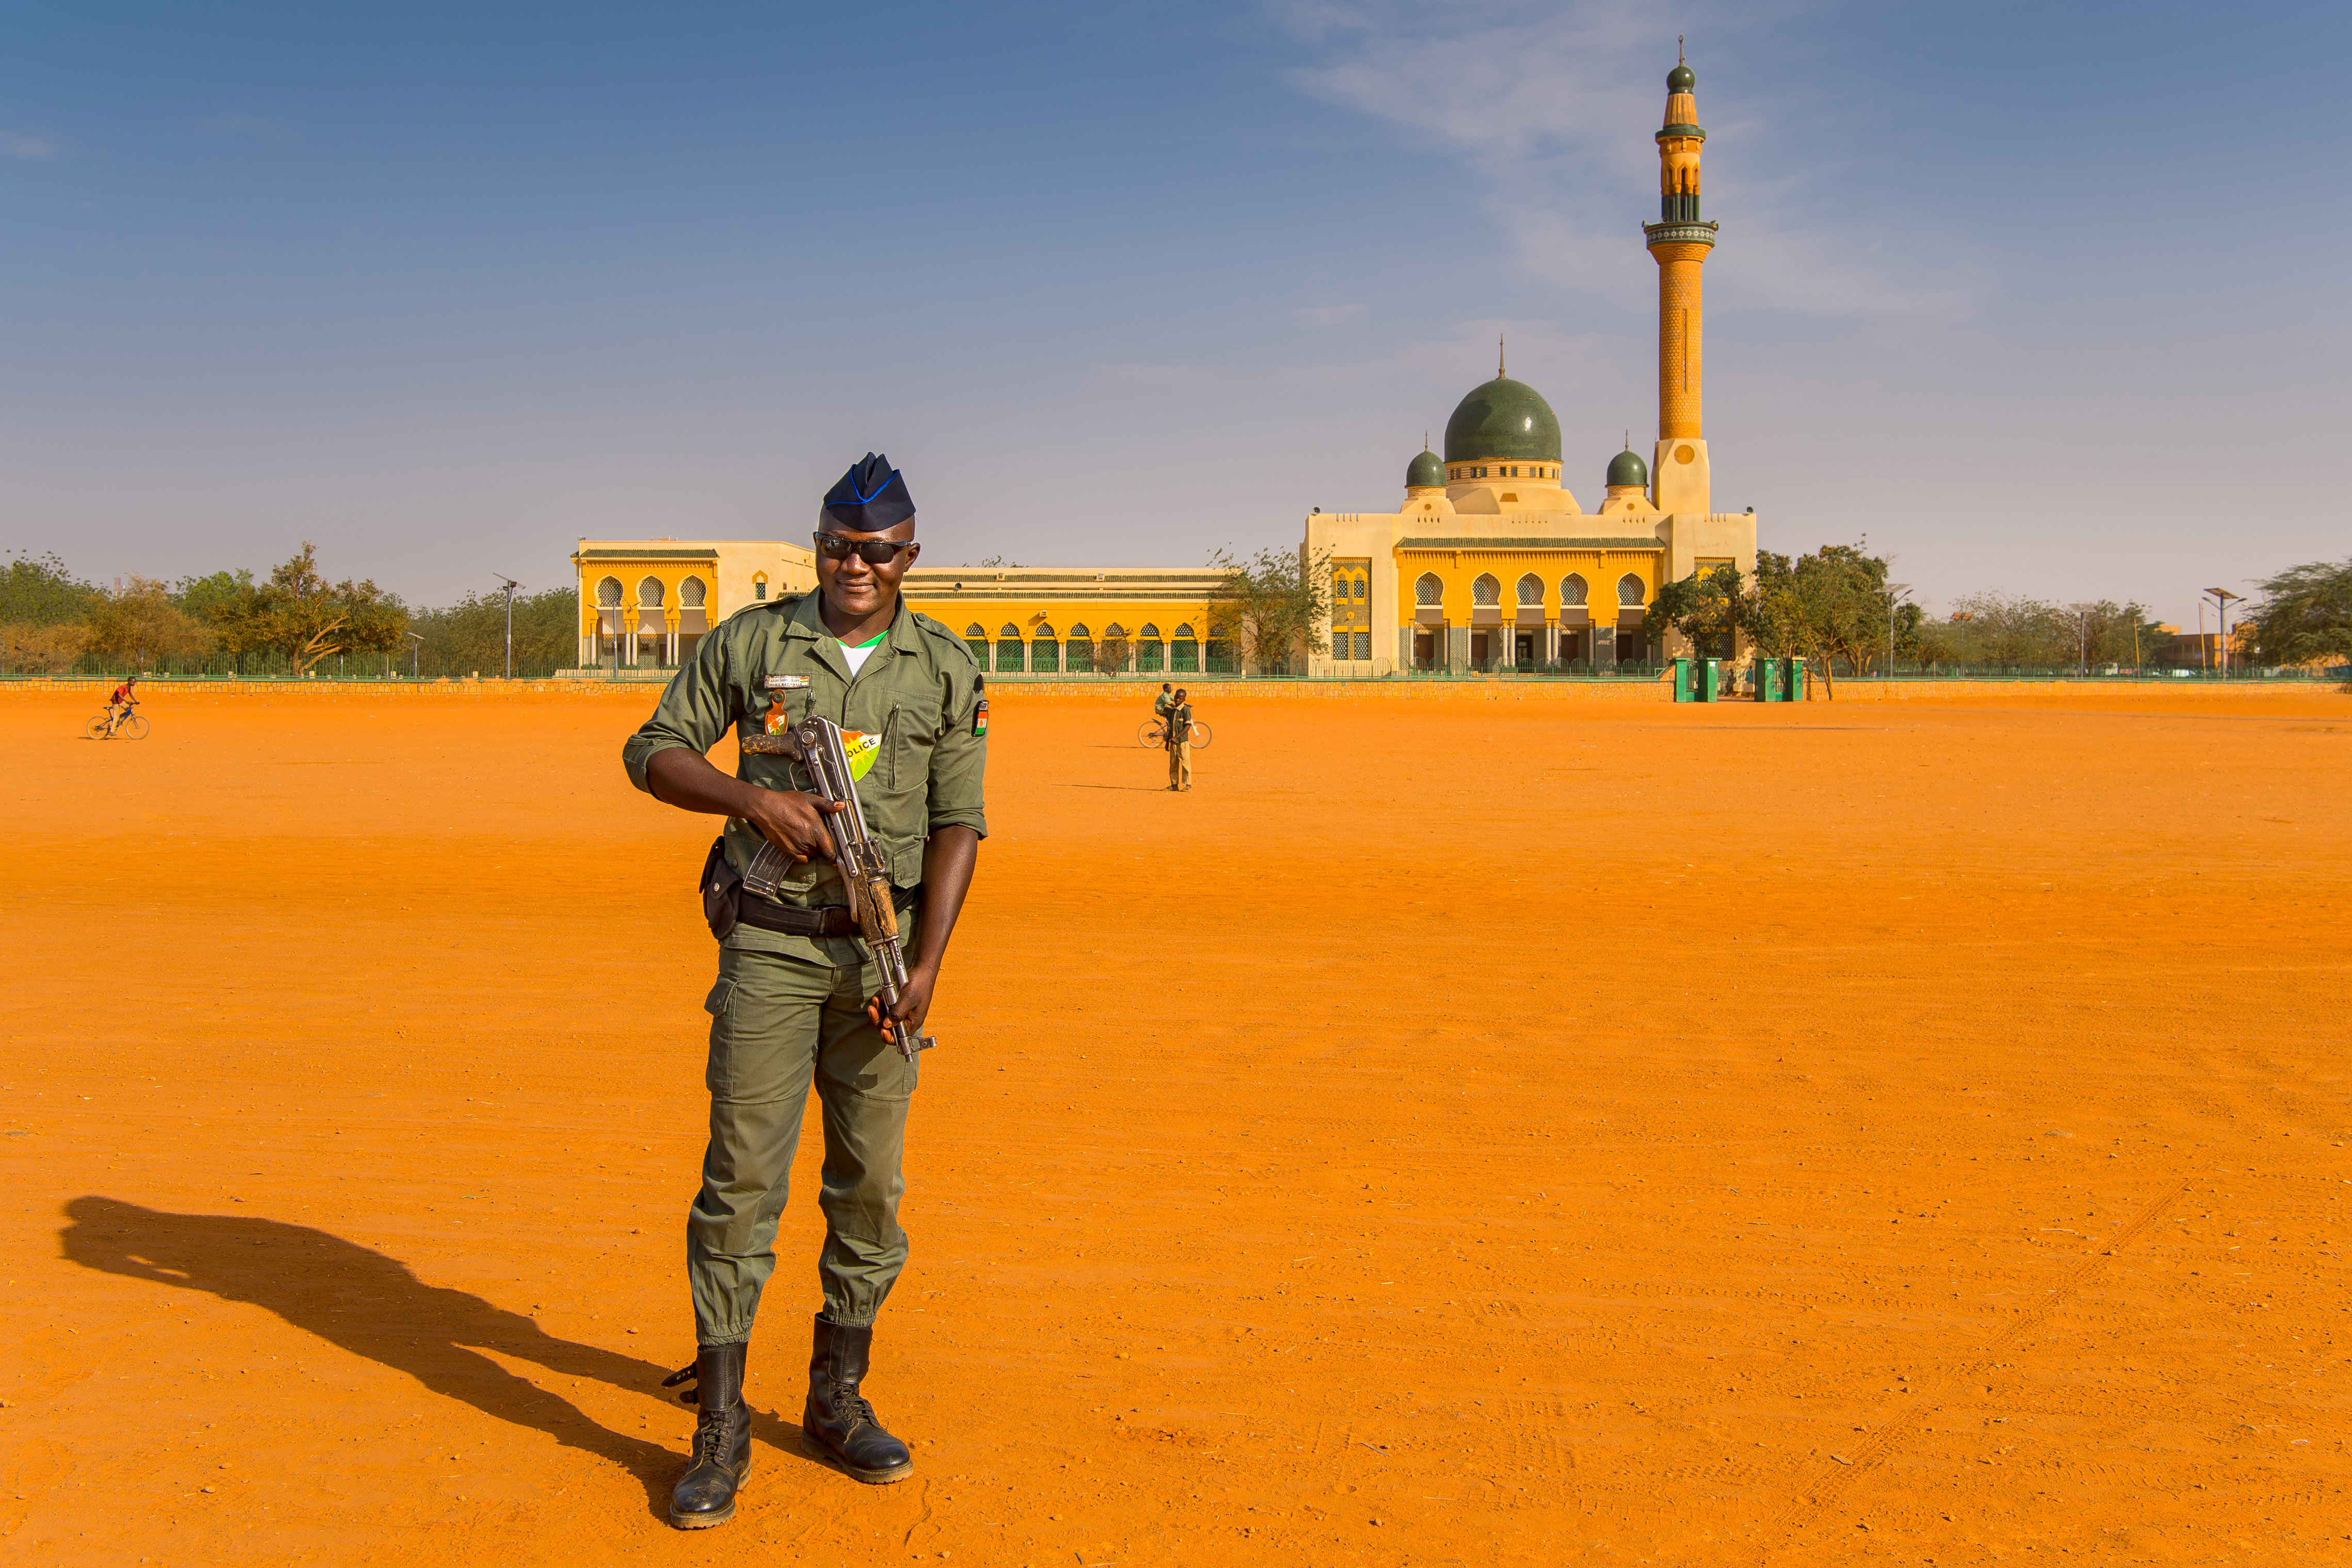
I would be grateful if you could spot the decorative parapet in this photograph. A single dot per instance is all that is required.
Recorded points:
(1679, 233)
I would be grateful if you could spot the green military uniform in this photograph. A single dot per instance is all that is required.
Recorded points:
(788, 1010)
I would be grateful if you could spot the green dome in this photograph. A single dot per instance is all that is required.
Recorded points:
(1627, 468)
(1680, 79)
(1503, 418)
(1424, 470)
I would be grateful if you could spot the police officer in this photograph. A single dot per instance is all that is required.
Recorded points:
(793, 1001)
(1177, 736)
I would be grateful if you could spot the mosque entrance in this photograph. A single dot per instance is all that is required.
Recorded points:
(1424, 650)
(1526, 656)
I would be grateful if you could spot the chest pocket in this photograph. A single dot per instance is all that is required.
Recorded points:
(907, 747)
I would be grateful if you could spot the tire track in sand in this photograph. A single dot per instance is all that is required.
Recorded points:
(1891, 1433)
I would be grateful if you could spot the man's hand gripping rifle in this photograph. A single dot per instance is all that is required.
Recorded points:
(815, 744)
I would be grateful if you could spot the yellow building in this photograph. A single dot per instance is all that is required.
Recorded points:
(1066, 620)
(1490, 562)
(646, 602)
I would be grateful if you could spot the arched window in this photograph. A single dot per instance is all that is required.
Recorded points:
(1485, 590)
(975, 637)
(1531, 589)
(1045, 653)
(1150, 651)
(608, 592)
(1078, 649)
(1427, 589)
(649, 594)
(1184, 651)
(1078, 629)
(975, 632)
(759, 585)
(1363, 588)
(689, 593)
(1572, 589)
(1009, 649)
(1185, 630)
(1045, 631)
(1629, 590)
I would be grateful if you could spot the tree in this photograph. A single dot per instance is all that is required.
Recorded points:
(471, 634)
(209, 598)
(2304, 615)
(37, 591)
(1822, 608)
(140, 624)
(41, 650)
(1112, 651)
(2012, 631)
(1272, 608)
(299, 613)
(1704, 606)
(2008, 630)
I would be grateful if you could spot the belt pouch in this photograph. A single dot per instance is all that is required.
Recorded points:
(722, 891)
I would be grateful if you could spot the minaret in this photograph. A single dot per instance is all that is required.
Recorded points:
(1681, 242)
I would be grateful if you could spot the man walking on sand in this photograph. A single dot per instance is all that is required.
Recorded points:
(794, 1005)
(1178, 738)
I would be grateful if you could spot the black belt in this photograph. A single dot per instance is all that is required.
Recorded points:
(828, 919)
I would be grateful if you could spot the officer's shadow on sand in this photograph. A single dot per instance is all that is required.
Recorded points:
(372, 1306)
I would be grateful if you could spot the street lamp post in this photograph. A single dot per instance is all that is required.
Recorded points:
(511, 586)
(412, 652)
(2222, 601)
(1896, 593)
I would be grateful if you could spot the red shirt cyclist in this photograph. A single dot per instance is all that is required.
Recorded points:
(118, 706)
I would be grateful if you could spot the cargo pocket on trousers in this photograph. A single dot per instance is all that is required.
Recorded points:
(715, 1072)
(889, 1077)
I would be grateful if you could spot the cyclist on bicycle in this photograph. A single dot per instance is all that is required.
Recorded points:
(118, 706)
(1161, 703)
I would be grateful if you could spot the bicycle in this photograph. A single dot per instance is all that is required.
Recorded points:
(1152, 732)
(130, 727)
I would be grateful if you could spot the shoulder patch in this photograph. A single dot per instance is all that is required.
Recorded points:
(947, 634)
(783, 602)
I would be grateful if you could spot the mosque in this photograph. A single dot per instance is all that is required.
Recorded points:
(1490, 562)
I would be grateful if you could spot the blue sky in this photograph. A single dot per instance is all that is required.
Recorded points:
(2044, 298)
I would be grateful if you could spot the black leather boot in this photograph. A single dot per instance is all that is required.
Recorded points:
(705, 1495)
(841, 1426)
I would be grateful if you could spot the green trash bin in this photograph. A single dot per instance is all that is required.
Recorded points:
(1710, 681)
(1681, 680)
(1771, 680)
(1796, 682)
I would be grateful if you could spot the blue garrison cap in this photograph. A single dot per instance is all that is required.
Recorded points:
(870, 497)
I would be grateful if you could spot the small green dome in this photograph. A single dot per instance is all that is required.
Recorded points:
(1680, 79)
(1424, 470)
(1627, 468)
(1503, 418)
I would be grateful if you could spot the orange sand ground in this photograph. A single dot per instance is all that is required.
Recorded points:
(1478, 1132)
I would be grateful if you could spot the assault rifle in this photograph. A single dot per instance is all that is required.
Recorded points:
(815, 744)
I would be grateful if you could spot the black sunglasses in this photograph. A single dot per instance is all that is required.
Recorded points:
(872, 552)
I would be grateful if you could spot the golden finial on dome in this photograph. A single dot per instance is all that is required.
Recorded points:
(1500, 373)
